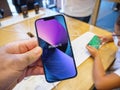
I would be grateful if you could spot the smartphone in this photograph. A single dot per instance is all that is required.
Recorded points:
(95, 42)
(57, 58)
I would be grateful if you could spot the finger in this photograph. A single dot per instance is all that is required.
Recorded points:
(89, 47)
(21, 46)
(38, 62)
(37, 70)
(102, 39)
(27, 45)
(100, 36)
(31, 43)
(30, 56)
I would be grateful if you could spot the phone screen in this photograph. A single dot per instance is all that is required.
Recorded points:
(95, 42)
(57, 57)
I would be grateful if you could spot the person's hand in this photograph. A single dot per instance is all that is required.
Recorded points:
(17, 60)
(93, 51)
(105, 39)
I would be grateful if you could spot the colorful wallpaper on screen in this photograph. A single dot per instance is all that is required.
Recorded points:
(57, 56)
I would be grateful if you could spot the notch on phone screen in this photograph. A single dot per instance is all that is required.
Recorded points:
(57, 58)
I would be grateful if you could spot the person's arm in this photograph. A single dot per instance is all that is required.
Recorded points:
(101, 79)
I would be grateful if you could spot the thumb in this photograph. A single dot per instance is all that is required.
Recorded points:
(30, 56)
(88, 47)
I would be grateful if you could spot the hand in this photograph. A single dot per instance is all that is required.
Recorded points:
(93, 51)
(16, 60)
(106, 38)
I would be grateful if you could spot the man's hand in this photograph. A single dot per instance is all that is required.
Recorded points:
(19, 59)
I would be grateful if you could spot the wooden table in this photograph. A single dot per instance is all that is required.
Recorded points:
(84, 80)
(17, 26)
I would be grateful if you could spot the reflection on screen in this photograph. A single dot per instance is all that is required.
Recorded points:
(57, 55)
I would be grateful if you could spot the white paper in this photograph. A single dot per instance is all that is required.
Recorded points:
(35, 83)
(79, 47)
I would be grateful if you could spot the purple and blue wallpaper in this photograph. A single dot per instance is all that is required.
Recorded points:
(57, 54)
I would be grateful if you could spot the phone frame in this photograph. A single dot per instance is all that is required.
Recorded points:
(51, 17)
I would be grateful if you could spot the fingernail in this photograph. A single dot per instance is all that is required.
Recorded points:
(38, 50)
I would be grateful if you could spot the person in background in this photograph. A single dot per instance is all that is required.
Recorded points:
(29, 3)
(78, 9)
(17, 60)
(102, 80)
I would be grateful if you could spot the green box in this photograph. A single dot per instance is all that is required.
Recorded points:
(95, 42)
